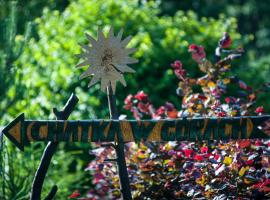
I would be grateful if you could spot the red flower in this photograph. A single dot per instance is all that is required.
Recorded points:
(204, 149)
(141, 96)
(244, 144)
(198, 157)
(74, 195)
(202, 97)
(225, 41)
(98, 177)
(197, 52)
(188, 152)
(262, 184)
(221, 114)
(178, 70)
(178, 154)
(258, 143)
(217, 156)
(227, 100)
(249, 162)
(259, 110)
(177, 64)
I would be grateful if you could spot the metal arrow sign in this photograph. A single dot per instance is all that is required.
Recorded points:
(21, 132)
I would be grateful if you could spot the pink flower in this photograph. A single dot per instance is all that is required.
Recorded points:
(259, 110)
(141, 96)
(177, 64)
(197, 52)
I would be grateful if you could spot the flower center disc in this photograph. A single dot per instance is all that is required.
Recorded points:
(106, 59)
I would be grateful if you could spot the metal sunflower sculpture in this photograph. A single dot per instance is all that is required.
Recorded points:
(108, 59)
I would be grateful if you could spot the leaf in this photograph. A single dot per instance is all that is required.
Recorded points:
(244, 143)
(211, 85)
(227, 160)
(243, 170)
(74, 195)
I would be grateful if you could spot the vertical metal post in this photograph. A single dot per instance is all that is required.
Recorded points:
(119, 148)
(48, 154)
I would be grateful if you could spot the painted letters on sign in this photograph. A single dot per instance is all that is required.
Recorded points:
(21, 131)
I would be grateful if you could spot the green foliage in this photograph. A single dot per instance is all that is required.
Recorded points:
(44, 76)
(14, 183)
(11, 47)
(66, 169)
(28, 10)
(50, 59)
(253, 20)
(11, 90)
(17, 169)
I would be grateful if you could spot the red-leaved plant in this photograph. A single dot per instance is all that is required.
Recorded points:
(188, 170)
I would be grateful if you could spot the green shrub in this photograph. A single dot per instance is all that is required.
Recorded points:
(47, 65)
(48, 62)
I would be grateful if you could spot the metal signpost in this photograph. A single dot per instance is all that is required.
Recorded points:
(108, 59)
(21, 132)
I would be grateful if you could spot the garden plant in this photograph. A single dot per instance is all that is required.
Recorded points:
(192, 170)
(36, 62)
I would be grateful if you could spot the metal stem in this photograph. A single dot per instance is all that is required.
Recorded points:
(48, 154)
(119, 148)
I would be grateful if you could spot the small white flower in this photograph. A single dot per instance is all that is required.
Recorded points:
(108, 59)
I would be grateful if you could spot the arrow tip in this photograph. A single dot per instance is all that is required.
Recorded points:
(13, 131)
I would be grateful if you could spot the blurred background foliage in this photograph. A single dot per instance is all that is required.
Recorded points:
(38, 71)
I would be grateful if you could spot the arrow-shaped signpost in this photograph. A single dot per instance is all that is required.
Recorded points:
(107, 65)
(22, 132)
